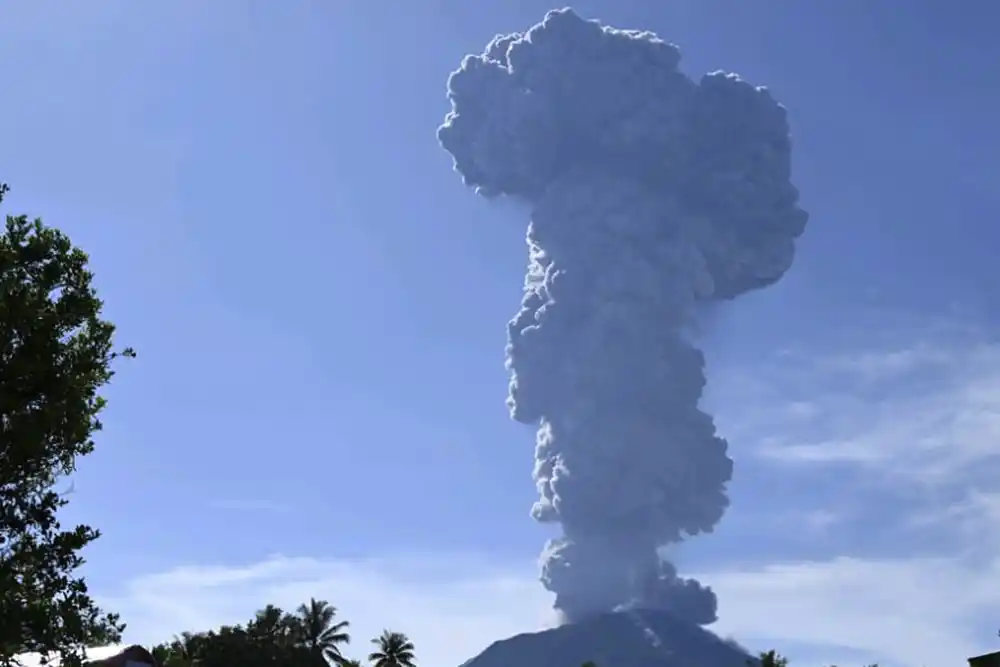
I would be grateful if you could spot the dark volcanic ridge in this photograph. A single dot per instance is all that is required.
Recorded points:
(638, 638)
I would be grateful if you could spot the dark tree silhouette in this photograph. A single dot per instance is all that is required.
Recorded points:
(323, 635)
(55, 356)
(392, 649)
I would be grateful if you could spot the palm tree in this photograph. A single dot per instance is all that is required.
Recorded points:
(351, 663)
(393, 649)
(321, 635)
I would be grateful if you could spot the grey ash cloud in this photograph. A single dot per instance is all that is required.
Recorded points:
(650, 195)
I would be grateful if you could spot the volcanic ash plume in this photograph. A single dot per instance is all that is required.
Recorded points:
(649, 195)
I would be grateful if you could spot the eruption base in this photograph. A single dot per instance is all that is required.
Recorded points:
(638, 638)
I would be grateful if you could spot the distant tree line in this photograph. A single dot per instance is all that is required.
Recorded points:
(313, 636)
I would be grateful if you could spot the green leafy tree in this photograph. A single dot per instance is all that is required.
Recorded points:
(392, 649)
(168, 655)
(275, 636)
(272, 638)
(322, 634)
(270, 625)
(55, 356)
(772, 659)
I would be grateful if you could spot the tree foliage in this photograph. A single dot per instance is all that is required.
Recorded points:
(55, 356)
(772, 659)
(322, 634)
(392, 649)
(311, 637)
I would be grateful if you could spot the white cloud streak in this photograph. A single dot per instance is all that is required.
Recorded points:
(927, 413)
(901, 612)
(916, 417)
(919, 611)
(451, 606)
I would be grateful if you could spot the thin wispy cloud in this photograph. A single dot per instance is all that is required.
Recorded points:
(927, 410)
(452, 606)
(918, 611)
(910, 423)
(899, 611)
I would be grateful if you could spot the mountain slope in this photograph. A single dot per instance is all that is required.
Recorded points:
(639, 638)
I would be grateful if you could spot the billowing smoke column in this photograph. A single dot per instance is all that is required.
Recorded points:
(649, 195)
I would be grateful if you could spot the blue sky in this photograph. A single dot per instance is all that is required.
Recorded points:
(319, 310)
